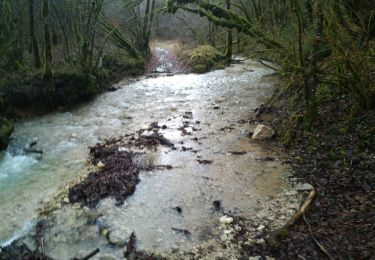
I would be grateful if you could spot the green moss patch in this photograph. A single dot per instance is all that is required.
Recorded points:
(202, 59)
(122, 65)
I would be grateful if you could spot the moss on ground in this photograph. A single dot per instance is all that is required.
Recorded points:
(202, 59)
(122, 64)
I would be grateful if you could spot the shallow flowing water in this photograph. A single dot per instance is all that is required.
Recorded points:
(218, 101)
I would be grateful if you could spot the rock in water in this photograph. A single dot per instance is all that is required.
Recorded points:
(263, 132)
(226, 220)
(119, 237)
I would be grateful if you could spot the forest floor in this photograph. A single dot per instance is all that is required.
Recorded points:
(338, 158)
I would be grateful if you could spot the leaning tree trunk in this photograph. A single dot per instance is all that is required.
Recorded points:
(228, 54)
(148, 32)
(47, 73)
(146, 21)
(32, 35)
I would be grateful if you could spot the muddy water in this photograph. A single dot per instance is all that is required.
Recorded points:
(217, 100)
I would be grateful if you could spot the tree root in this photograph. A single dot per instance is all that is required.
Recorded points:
(277, 236)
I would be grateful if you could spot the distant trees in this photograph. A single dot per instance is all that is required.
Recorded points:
(47, 70)
(316, 43)
(59, 32)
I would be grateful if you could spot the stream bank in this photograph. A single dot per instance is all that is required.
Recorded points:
(25, 94)
(337, 157)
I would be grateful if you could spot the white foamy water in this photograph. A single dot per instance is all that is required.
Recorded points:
(15, 165)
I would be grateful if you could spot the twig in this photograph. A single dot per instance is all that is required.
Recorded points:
(315, 240)
(93, 253)
(277, 236)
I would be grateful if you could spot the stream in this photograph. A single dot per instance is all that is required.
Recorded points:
(219, 101)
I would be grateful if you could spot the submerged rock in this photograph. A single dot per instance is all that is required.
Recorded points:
(263, 132)
(119, 237)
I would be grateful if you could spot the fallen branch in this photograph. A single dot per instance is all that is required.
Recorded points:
(28, 151)
(266, 65)
(93, 253)
(275, 238)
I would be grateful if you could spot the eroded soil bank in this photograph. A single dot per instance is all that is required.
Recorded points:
(205, 189)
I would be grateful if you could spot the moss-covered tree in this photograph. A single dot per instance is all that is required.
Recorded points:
(34, 41)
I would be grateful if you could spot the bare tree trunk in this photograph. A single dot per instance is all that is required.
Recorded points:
(47, 73)
(211, 33)
(150, 23)
(66, 43)
(313, 81)
(32, 35)
(146, 20)
(309, 9)
(228, 54)
(238, 40)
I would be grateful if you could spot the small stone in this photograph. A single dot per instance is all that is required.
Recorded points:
(105, 232)
(76, 206)
(263, 132)
(66, 200)
(291, 193)
(260, 241)
(305, 187)
(119, 237)
(226, 220)
(228, 231)
(293, 206)
(255, 257)
(261, 227)
(261, 215)
(100, 165)
(224, 238)
(237, 227)
(73, 135)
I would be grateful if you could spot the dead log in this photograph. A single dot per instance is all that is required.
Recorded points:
(275, 238)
